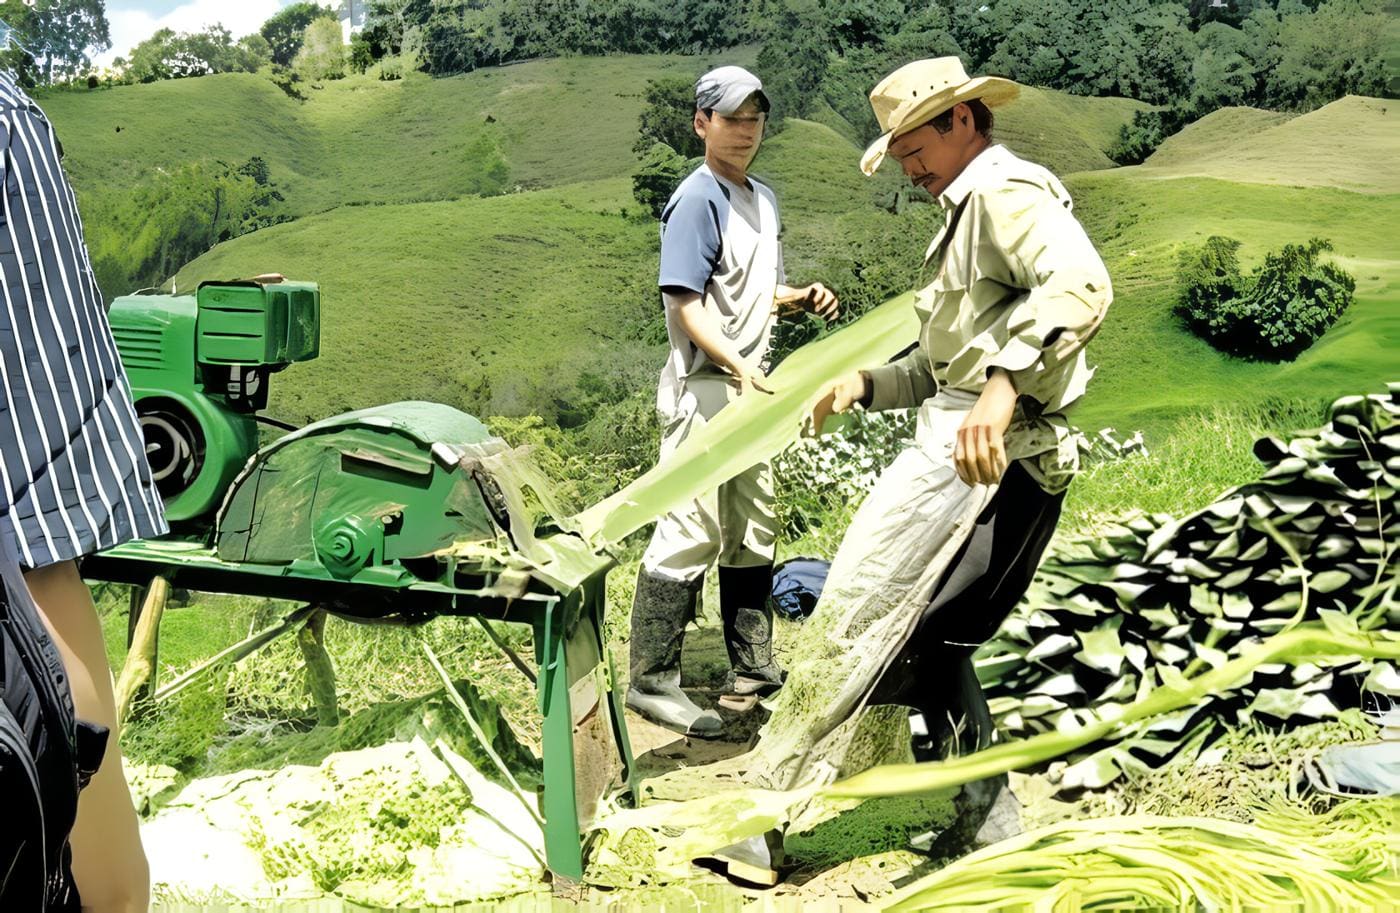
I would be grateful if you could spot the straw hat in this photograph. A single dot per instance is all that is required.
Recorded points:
(917, 92)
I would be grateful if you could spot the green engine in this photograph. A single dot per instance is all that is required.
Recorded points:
(199, 367)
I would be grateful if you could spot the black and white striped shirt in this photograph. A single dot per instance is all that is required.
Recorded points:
(73, 472)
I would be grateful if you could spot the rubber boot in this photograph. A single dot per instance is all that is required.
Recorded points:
(957, 716)
(748, 630)
(661, 610)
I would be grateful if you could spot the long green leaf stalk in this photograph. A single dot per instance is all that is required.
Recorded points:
(752, 429)
(1344, 860)
(663, 838)
(1302, 644)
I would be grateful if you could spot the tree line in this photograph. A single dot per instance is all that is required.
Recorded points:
(1188, 57)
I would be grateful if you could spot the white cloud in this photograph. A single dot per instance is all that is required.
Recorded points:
(131, 27)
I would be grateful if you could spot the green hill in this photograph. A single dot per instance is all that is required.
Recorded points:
(493, 305)
(503, 305)
(363, 140)
(1151, 370)
(1216, 134)
(1065, 133)
(1351, 144)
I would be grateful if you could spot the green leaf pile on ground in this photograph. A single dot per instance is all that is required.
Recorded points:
(1113, 618)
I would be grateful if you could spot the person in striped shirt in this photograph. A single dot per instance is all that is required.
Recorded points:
(73, 472)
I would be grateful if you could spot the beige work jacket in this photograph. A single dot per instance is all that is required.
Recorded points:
(1017, 285)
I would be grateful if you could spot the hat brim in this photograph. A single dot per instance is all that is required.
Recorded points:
(992, 90)
(732, 100)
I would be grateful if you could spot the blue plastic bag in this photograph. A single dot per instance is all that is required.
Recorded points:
(797, 585)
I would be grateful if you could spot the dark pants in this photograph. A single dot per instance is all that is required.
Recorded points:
(983, 583)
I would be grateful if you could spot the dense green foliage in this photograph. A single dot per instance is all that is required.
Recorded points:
(55, 37)
(669, 117)
(322, 54)
(1284, 57)
(1273, 314)
(659, 174)
(286, 30)
(167, 55)
(180, 214)
(1148, 129)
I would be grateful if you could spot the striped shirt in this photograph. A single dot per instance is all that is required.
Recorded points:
(73, 472)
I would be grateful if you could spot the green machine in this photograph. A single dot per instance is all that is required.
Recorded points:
(399, 513)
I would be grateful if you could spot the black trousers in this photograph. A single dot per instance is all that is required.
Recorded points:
(986, 579)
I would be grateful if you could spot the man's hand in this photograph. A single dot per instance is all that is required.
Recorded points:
(838, 396)
(748, 377)
(815, 299)
(821, 301)
(980, 453)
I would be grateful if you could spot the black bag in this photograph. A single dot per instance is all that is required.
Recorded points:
(46, 757)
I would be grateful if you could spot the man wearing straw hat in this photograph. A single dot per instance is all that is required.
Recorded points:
(1014, 291)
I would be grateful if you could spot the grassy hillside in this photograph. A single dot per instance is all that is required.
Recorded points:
(1218, 133)
(1063, 132)
(574, 270)
(362, 140)
(1151, 370)
(1351, 144)
(494, 305)
(501, 305)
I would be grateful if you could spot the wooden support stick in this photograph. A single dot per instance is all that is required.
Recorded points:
(455, 697)
(139, 669)
(233, 654)
(320, 674)
(505, 648)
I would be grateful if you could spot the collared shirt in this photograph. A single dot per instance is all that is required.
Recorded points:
(1018, 286)
(74, 477)
(720, 240)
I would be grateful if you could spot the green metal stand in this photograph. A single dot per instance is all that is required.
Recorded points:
(584, 734)
(583, 725)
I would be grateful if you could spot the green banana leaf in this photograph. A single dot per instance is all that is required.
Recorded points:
(754, 428)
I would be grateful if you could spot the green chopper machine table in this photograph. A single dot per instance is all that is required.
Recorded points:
(399, 512)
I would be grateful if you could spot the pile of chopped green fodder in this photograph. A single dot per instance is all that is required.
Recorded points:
(1112, 619)
(389, 808)
(1249, 768)
(849, 829)
(271, 746)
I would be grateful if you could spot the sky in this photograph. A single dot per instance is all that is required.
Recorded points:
(133, 21)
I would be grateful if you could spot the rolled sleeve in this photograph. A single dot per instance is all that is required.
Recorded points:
(903, 383)
(690, 243)
(1068, 290)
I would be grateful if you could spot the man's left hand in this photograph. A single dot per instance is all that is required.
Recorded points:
(980, 453)
(820, 300)
(812, 299)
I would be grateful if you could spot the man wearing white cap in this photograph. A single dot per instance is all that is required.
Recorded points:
(722, 283)
(1017, 289)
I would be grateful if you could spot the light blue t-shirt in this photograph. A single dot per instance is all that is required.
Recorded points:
(719, 240)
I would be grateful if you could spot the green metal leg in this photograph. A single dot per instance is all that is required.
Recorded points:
(562, 847)
(616, 697)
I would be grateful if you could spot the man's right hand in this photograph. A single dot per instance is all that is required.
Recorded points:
(749, 377)
(837, 397)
